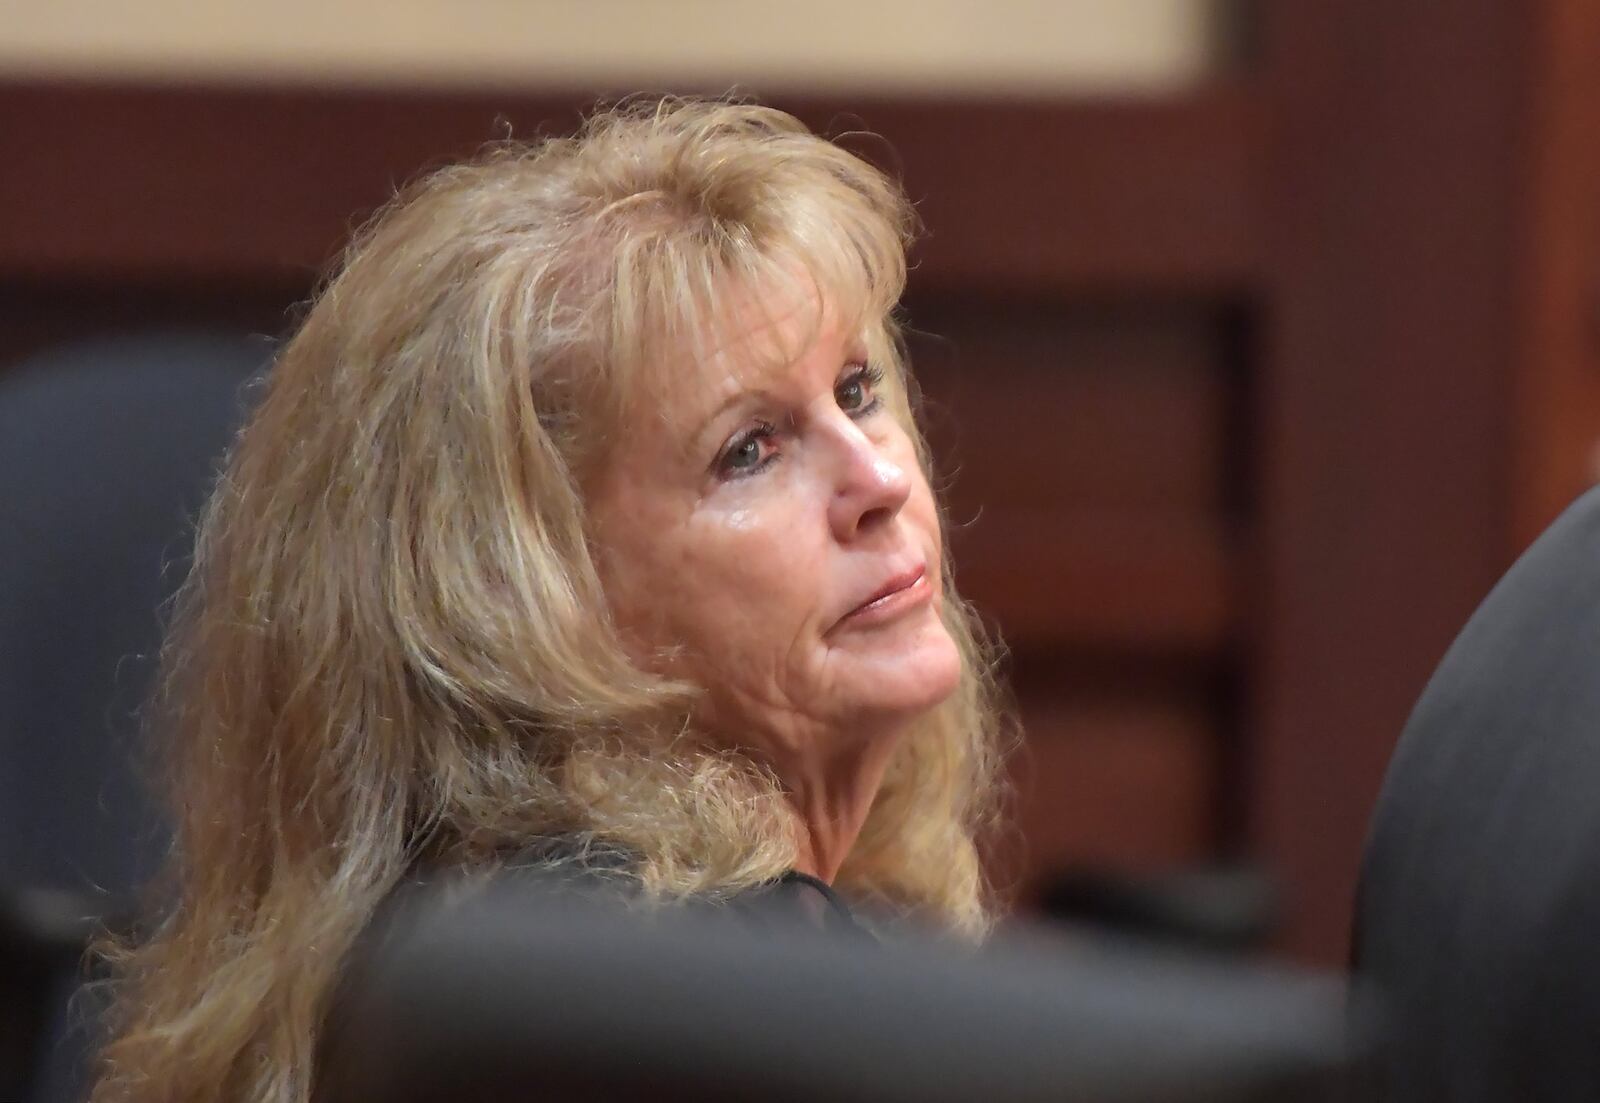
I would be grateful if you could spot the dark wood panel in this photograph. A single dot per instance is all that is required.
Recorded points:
(1084, 195)
(134, 181)
(1118, 774)
(1557, 380)
(1084, 454)
(1383, 412)
(1139, 583)
(34, 313)
(1063, 405)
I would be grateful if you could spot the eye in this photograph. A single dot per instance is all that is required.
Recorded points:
(857, 392)
(747, 453)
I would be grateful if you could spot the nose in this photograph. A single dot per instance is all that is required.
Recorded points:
(870, 487)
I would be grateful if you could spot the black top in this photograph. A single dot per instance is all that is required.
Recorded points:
(559, 867)
(804, 898)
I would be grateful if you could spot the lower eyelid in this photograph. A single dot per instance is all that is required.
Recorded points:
(752, 471)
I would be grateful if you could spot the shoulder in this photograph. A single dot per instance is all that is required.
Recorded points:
(797, 901)
(1478, 877)
(598, 871)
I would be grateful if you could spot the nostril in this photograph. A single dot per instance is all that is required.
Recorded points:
(875, 516)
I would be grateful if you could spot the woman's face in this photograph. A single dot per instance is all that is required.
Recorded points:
(764, 530)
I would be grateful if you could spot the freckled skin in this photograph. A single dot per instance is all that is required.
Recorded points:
(739, 584)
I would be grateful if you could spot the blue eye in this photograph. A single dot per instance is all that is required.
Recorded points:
(745, 454)
(856, 393)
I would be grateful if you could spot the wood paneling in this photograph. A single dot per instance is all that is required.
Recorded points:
(1084, 464)
(35, 314)
(1383, 406)
(1134, 585)
(138, 182)
(1054, 403)
(1557, 387)
(1118, 772)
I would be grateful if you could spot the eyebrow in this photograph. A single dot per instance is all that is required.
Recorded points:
(853, 351)
(741, 396)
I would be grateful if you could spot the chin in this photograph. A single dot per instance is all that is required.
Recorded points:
(910, 682)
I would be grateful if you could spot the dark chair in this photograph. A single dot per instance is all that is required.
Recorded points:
(1479, 908)
(521, 994)
(107, 449)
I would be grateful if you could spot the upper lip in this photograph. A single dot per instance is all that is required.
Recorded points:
(893, 584)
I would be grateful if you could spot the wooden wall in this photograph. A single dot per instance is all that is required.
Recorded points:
(1241, 392)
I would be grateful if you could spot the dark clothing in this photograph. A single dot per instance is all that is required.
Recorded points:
(1479, 909)
(559, 867)
(801, 897)
(794, 899)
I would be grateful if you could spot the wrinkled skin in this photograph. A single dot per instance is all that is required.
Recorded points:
(751, 503)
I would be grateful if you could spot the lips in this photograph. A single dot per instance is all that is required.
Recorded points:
(903, 589)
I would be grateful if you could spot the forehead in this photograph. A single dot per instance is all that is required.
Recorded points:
(758, 339)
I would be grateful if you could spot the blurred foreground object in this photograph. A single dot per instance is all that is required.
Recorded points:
(518, 993)
(107, 451)
(1217, 909)
(1479, 911)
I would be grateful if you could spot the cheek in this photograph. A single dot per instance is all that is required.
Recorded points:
(729, 584)
(637, 545)
(754, 572)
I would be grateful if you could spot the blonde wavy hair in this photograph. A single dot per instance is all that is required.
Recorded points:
(393, 646)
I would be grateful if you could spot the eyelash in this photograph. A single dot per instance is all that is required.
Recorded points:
(868, 374)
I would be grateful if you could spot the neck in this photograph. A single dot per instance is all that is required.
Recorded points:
(831, 800)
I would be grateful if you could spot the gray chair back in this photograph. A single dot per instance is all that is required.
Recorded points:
(107, 451)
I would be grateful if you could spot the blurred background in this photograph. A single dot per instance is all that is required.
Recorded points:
(1257, 338)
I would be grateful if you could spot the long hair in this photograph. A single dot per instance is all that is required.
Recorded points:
(393, 645)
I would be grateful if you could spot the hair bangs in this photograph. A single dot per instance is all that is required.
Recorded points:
(710, 287)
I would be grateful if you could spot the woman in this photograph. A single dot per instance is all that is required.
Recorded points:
(584, 513)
